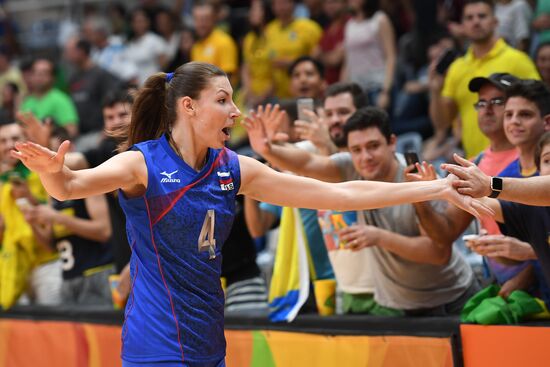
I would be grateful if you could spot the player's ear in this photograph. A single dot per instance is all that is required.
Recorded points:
(188, 106)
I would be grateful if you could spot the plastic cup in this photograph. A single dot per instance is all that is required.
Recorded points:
(325, 296)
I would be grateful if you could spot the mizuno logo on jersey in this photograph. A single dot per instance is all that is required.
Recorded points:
(226, 182)
(168, 177)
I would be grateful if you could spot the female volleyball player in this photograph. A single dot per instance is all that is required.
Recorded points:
(177, 187)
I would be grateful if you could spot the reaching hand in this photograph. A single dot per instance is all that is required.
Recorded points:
(465, 202)
(40, 159)
(425, 172)
(316, 131)
(471, 180)
(272, 117)
(257, 136)
(503, 246)
(35, 130)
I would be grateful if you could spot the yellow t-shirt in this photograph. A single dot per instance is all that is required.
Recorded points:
(288, 43)
(218, 49)
(501, 59)
(255, 54)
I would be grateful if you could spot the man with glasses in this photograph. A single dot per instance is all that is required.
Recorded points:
(445, 226)
(490, 113)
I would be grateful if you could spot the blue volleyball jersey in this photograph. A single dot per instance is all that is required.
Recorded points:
(175, 310)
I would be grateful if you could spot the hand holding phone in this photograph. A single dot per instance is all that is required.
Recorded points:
(23, 203)
(469, 239)
(304, 104)
(412, 158)
(445, 60)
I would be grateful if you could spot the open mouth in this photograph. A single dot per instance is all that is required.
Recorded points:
(227, 131)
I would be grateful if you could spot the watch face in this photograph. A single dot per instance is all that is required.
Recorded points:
(496, 183)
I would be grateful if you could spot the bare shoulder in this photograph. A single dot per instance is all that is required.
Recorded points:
(250, 169)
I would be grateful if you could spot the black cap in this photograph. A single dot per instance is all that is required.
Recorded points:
(502, 81)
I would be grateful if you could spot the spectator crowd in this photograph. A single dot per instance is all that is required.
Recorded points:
(384, 78)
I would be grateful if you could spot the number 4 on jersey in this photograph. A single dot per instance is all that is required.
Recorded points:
(207, 242)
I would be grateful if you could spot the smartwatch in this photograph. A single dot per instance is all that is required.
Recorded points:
(496, 187)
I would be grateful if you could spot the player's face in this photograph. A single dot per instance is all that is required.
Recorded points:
(545, 161)
(523, 123)
(338, 110)
(216, 112)
(371, 153)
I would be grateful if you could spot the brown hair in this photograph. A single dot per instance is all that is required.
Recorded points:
(543, 141)
(491, 4)
(154, 108)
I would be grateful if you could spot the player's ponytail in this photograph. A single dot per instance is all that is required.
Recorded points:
(154, 109)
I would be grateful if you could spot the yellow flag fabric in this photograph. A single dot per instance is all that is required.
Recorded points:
(20, 251)
(289, 287)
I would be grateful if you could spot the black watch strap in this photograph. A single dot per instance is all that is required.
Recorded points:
(496, 187)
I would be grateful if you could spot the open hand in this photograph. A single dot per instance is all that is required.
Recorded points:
(35, 130)
(257, 136)
(471, 180)
(40, 159)
(316, 131)
(271, 116)
(503, 246)
(465, 202)
(425, 172)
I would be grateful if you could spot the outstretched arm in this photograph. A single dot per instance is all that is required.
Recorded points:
(473, 182)
(267, 185)
(124, 171)
(288, 157)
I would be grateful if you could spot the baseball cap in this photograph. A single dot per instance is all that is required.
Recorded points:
(500, 80)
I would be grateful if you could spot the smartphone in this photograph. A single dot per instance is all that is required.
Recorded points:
(445, 60)
(470, 237)
(412, 158)
(23, 203)
(303, 104)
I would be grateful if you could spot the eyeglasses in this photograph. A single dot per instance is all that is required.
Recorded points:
(484, 104)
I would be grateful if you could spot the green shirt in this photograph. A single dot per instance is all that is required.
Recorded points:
(55, 104)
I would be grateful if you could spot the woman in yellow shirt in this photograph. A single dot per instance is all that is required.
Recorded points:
(256, 71)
